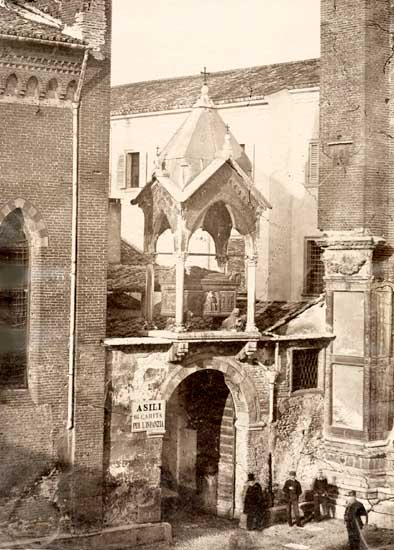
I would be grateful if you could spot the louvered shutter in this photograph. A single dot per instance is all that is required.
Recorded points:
(121, 172)
(313, 175)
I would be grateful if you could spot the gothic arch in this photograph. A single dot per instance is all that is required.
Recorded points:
(247, 415)
(239, 383)
(35, 225)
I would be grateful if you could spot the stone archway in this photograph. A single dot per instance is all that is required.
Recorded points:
(247, 414)
(37, 230)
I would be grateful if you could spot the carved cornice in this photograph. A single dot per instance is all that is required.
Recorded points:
(349, 240)
(14, 61)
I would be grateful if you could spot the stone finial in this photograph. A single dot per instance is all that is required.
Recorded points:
(204, 99)
(227, 148)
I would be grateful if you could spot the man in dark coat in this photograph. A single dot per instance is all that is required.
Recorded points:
(353, 513)
(254, 504)
(292, 490)
(320, 496)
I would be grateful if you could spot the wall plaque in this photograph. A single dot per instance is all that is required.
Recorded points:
(148, 416)
(349, 324)
(347, 397)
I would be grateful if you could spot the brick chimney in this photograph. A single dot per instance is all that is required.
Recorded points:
(89, 20)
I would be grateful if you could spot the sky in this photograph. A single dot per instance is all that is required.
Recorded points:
(154, 39)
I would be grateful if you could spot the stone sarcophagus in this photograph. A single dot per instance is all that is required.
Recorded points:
(206, 293)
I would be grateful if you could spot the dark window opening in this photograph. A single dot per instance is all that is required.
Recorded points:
(14, 298)
(132, 170)
(314, 268)
(305, 364)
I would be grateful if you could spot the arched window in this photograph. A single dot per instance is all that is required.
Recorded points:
(32, 87)
(52, 89)
(14, 300)
(71, 89)
(11, 85)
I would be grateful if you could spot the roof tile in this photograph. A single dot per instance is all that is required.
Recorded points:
(224, 87)
(14, 24)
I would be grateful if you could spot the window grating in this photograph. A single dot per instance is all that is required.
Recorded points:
(305, 369)
(314, 268)
(14, 279)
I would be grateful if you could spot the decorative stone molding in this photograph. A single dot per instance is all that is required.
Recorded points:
(60, 66)
(344, 263)
(178, 351)
(36, 226)
(247, 352)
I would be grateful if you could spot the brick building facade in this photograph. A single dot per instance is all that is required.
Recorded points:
(355, 197)
(54, 104)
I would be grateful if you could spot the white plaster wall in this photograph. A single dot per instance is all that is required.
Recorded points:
(276, 135)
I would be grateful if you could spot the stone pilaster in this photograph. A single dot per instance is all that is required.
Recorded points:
(349, 286)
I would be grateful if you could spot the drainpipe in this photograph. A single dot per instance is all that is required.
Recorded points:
(74, 243)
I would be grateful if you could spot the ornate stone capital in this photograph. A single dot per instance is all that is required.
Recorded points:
(349, 253)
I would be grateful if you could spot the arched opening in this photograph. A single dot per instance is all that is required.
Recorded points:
(198, 457)
(202, 251)
(70, 91)
(14, 300)
(11, 85)
(52, 89)
(32, 87)
(165, 248)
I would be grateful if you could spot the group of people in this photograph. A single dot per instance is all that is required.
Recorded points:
(256, 503)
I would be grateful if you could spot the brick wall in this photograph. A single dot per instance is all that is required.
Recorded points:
(354, 108)
(36, 158)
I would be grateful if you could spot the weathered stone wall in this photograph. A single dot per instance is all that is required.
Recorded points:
(133, 460)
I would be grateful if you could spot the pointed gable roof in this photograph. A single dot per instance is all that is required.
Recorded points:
(198, 149)
(198, 142)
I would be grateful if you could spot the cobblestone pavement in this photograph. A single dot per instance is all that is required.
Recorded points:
(202, 532)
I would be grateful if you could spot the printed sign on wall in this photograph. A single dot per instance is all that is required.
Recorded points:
(148, 416)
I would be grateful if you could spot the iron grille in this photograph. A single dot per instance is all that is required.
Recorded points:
(314, 269)
(14, 298)
(305, 369)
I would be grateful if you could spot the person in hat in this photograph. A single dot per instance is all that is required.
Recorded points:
(352, 518)
(320, 496)
(254, 504)
(292, 490)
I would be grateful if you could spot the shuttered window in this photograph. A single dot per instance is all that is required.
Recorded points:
(132, 170)
(313, 164)
(120, 172)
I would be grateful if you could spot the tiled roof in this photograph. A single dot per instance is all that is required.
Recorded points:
(51, 7)
(224, 87)
(130, 255)
(14, 24)
(271, 314)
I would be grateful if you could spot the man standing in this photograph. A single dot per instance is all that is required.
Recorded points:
(292, 490)
(320, 496)
(353, 513)
(253, 505)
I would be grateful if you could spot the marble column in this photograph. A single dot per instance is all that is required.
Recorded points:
(149, 289)
(251, 264)
(180, 260)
